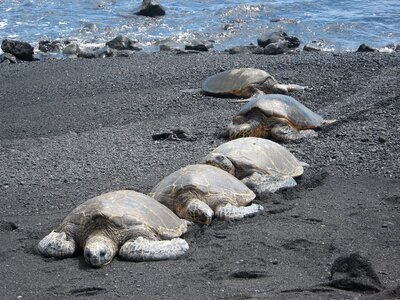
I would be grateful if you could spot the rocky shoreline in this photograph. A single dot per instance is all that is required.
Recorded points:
(274, 43)
(73, 129)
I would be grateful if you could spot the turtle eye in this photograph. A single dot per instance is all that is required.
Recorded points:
(102, 253)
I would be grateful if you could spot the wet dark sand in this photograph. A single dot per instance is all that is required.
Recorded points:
(73, 129)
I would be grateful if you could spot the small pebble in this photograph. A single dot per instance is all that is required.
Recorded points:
(381, 139)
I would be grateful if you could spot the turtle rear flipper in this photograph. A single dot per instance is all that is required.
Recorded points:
(230, 212)
(261, 184)
(326, 123)
(285, 133)
(281, 88)
(143, 249)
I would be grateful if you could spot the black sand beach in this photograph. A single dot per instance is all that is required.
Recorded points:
(73, 129)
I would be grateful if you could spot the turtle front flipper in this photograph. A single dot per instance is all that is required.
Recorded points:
(196, 211)
(230, 212)
(142, 249)
(57, 244)
(285, 133)
(261, 184)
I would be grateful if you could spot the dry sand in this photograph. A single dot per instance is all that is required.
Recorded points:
(73, 129)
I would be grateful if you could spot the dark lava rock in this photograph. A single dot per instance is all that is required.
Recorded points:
(284, 20)
(227, 26)
(273, 37)
(121, 53)
(174, 135)
(97, 53)
(179, 51)
(276, 48)
(72, 49)
(242, 49)
(381, 139)
(86, 54)
(309, 48)
(7, 226)
(103, 52)
(273, 49)
(150, 8)
(199, 45)
(248, 274)
(20, 50)
(164, 47)
(123, 43)
(354, 273)
(366, 48)
(7, 57)
(89, 27)
(397, 48)
(50, 46)
(276, 37)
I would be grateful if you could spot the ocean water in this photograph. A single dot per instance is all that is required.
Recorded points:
(333, 25)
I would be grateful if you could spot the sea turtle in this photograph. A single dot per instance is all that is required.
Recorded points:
(280, 117)
(197, 192)
(261, 164)
(133, 223)
(245, 82)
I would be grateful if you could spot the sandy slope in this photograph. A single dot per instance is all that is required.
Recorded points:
(73, 129)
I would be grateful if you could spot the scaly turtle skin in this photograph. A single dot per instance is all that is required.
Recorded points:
(277, 116)
(245, 157)
(245, 82)
(133, 223)
(197, 192)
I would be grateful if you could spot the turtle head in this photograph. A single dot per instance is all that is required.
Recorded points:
(220, 161)
(99, 250)
(196, 211)
(242, 126)
(271, 86)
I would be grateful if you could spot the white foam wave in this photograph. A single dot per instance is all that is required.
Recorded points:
(245, 9)
(387, 49)
(3, 23)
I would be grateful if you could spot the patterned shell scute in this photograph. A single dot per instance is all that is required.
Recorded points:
(207, 181)
(252, 154)
(230, 81)
(125, 209)
(281, 106)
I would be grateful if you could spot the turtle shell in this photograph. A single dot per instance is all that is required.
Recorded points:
(125, 209)
(283, 107)
(252, 154)
(235, 82)
(204, 182)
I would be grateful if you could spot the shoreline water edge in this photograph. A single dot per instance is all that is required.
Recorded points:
(273, 43)
(266, 39)
(329, 25)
